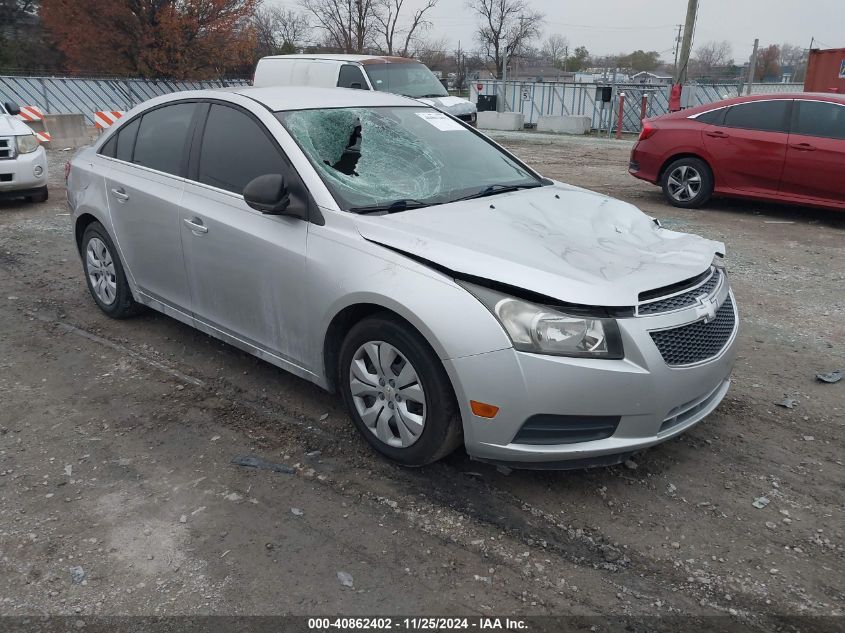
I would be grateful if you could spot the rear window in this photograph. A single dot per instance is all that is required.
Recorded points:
(766, 116)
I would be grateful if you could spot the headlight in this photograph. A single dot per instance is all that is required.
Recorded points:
(544, 330)
(27, 143)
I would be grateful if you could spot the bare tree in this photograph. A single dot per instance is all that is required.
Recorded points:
(431, 52)
(556, 49)
(279, 30)
(348, 25)
(712, 55)
(506, 27)
(396, 39)
(794, 59)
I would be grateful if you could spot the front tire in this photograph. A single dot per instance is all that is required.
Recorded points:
(397, 392)
(104, 274)
(41, 196)
(687, 182)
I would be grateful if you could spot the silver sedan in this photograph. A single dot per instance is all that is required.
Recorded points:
(382, 249)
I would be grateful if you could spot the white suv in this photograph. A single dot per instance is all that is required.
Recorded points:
(23, 162)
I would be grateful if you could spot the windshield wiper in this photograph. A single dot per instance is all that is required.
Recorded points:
(492, 190)
(402, 204)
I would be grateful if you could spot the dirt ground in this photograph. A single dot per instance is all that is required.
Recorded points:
(118, 495)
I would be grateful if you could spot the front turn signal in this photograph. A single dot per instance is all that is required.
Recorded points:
(483, 410)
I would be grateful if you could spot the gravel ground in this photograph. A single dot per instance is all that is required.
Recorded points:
(119, 495)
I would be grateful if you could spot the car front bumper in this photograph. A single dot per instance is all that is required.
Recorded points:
(651, 400)
(18, 175)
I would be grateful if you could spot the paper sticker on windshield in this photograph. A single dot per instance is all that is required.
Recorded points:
(440, 121)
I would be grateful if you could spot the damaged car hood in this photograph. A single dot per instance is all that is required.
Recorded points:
(564, 242)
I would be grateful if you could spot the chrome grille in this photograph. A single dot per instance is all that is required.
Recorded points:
(683, 300)
(697, 341)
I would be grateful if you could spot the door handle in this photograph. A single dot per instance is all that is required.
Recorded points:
(120, 194)
(716, 134)
(803, 147)
(196, 225)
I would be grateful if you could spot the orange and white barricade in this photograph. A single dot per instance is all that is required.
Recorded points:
(34, 118)
(104, 119)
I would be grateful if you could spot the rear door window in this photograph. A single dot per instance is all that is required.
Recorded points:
(163, 138)
(714, 117)
(126, 140)
(351, 77)
(236, 149)
(766, 116)
(818, 118)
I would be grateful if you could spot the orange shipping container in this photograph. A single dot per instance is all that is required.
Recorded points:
(826, 71)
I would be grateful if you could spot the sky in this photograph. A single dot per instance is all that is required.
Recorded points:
(607, 27)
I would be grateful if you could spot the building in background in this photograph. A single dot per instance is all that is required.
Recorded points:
(652, 79)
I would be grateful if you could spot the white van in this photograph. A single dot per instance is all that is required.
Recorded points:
(398, 75)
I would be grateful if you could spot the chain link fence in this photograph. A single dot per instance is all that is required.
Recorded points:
(74, 95)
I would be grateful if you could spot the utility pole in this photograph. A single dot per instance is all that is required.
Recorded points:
(612, 98)
(500, 103)
(677, 50)
(752, 66)
(689, 27)
(516, 46)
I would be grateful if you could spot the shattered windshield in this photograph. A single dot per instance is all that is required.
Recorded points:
(411, 79)
(377, 156)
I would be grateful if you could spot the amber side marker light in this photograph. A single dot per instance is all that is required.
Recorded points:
(483, 410)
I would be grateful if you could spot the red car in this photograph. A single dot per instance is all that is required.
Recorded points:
(786, 147)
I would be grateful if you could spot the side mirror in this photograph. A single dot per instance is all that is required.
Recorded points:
(268, 194)
(12, 108)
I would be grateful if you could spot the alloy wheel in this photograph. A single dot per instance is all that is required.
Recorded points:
(684, 183)
(387, 394)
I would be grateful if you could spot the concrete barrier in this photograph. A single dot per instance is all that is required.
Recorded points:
(570, 124)
(67, 130)
(501, 120)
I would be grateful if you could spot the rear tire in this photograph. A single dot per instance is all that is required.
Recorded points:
(398, 381)
(41, 196)
(104, 274)
(687, 182)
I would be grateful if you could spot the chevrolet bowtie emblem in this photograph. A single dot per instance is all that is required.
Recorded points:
(706, 308)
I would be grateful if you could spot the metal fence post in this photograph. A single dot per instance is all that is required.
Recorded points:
(643, 106)
(621, 119)
(46, 95)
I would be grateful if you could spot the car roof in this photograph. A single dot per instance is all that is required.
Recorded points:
(306, 97)
(361, 59)
(714, 105)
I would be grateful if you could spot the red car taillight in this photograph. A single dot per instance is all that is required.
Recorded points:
(67, 171)
(647, 131)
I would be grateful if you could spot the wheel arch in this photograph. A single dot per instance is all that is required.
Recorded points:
(345, 319)
(82, 222)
